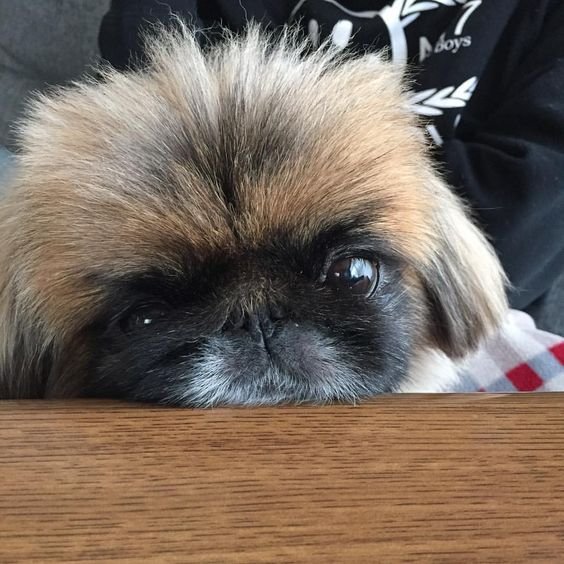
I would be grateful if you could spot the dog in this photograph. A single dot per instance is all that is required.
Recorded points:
(252, 223)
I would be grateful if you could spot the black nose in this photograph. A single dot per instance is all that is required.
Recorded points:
(259, 326)
(260, 323)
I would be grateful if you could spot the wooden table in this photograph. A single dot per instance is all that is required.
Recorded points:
(467, 478)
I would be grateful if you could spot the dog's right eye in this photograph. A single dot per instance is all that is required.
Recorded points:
(354, 275)
(142, 317)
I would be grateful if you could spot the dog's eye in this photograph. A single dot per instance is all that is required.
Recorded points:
(355, 275)
(142, 316)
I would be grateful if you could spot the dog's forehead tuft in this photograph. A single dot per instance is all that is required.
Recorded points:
(208, 153)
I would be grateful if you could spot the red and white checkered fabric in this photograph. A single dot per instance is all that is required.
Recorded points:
(519, 358)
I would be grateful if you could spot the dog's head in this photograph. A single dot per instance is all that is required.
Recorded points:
(250, 224)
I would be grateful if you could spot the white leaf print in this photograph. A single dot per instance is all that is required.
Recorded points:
(466, 89)
(433, 101)
(398, 15)
(414, 6)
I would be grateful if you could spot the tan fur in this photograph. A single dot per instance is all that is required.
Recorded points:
(90, 195)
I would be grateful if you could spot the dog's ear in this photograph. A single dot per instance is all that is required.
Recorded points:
(464, 281)
(24, 369)
(25, 355)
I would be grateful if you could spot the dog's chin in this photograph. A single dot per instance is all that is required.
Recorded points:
(291, 366)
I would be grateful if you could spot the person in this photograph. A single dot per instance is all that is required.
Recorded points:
(488, 78)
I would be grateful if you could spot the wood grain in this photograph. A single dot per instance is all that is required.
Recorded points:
(467, 478)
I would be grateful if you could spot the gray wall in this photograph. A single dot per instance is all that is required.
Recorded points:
(43, 42)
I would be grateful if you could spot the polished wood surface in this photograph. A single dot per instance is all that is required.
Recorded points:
(467, 478)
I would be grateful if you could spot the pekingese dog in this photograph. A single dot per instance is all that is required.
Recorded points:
(250, 223)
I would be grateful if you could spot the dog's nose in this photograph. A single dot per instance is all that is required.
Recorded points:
(260, 323)
(260, 326)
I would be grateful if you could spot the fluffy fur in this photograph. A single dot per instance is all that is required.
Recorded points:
(222, 183)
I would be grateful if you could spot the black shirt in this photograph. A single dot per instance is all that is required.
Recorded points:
(488, 77)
